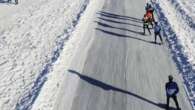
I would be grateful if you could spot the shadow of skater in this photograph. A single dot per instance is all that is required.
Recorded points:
(119, 22)
(108, 13)
(108, 87)
(2, 1)
(125, 36)
(124, 29)
(9, 1)
(121, 17)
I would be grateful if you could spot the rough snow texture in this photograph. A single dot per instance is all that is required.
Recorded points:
(188, 6)
(179, 28)
(32, 34)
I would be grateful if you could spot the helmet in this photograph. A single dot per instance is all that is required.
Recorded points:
(170, 77)
(148, 4)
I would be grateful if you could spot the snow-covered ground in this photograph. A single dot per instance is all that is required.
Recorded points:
(32, 34)
(188, 6)
(177, 18)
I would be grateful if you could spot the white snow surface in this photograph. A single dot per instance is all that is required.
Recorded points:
(188, 6)
(30, 35)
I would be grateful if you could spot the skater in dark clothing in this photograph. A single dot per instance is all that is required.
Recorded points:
(146, 24)
(157, 30)
(148, 6)
(172, 91)
(16, 2)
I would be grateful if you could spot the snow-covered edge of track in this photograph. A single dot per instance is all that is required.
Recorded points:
(184, 15)
(59, 91)
(179, 56)
(27, 101)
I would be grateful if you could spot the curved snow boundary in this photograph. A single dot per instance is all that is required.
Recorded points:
(26, 102)
(181, 60)
(189, 20)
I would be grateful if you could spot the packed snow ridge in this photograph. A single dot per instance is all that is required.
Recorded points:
(177, 18)
(32, 34)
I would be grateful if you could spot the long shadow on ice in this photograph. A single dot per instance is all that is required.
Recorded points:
(9, 2)
(125, 36)
(108, 87)
(119, 22)
(124, 29)
(119, 17)
(3, 1)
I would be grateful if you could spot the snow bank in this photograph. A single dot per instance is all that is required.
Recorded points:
(32, 34)
(59, 91)
(179, 29)
(186, 7)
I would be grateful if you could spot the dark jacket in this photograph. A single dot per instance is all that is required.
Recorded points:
(157, 29)
(171, 88)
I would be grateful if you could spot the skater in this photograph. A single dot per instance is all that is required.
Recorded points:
(172, 91)
(146, 24)
(16, 2)
(150, 11)
(157, 32)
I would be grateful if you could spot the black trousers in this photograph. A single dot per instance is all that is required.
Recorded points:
(146, 26)
(174, 99)
(158, 34)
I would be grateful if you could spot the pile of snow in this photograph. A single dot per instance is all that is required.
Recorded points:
(179, 28)
(32, 34)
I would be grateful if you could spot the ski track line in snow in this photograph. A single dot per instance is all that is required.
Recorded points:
(28, 100)
(181, 60)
